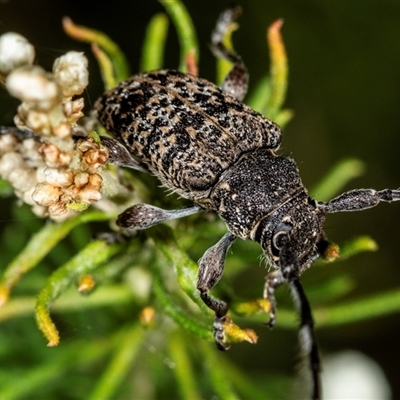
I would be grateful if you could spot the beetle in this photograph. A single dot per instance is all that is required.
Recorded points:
(203, 143)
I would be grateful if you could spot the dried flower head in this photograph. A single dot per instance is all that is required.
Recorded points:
(15, 52)
(51, 171)
(34, 86)
(71, 73)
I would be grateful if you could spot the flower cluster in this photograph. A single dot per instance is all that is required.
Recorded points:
(50, 170)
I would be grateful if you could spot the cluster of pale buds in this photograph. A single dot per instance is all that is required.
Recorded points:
(55, 173)
(72, 188)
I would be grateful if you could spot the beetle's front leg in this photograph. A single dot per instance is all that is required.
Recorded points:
(211, 267)
(272, 281)
(142, 216)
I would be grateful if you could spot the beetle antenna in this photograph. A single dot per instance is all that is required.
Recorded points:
(307, 340)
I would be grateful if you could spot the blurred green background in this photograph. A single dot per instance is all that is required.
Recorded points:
(344, 86)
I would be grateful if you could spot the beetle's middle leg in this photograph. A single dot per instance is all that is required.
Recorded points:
(236, 82)
(211, 267)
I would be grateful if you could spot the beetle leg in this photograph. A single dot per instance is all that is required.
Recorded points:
(211, 267)
(360, 199)
(273, 281)
(142, 216)
(236, 82)
(119, 155)
(17, 132)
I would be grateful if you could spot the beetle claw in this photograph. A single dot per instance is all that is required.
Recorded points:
(219, 334)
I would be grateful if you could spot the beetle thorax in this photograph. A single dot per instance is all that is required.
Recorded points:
(259, 183)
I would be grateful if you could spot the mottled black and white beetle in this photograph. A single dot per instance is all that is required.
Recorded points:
(203, 143)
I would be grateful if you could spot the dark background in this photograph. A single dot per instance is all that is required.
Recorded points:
(344, 87)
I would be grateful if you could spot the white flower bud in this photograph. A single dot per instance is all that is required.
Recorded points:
(58, 178)
(96, 181)
(39, 211)
(62, 131)
(34, 120)
(89, 195)
(9, 162)
(40, 177)
(81, 179)
(30, 150)
(27, 196)
(7, 143)
(57, 210)
(35, 87)
(15, 52)
(22, 179)
(71, 73)
(46, 194)
(30, 144)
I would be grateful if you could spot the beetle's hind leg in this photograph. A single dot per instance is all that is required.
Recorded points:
(236, 82)
(142, 216)
(211, 267)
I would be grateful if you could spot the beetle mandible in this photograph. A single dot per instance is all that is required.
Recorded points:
(203, 143)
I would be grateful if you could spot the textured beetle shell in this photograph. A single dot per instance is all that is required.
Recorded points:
(183, 129)
(257, 185)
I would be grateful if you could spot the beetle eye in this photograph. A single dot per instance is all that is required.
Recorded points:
(282, 231)
(276, 244)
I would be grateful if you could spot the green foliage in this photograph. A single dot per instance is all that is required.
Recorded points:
(130, 345)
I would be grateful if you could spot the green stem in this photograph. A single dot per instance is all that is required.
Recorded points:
(76, 355)
(278, 70)
(182, 367)
(72, 301)
(39, 246)
(84, 34)
(219, 379)
(343, 172)
(93, 255)
(349, 312)
(258, 99)
(357, 245)
(185, 268)
(359, 310)
(186, 32)
(120, 365)
(106, 67)
(243, 382)
(154, 42)
(177, 314)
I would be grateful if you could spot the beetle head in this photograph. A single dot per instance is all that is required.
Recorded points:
(301, 222)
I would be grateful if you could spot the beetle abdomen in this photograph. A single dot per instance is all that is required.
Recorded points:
(186, 130)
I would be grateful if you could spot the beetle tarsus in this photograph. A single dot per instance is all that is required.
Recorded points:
(236, 82)
(219, 334)
(272, 281)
